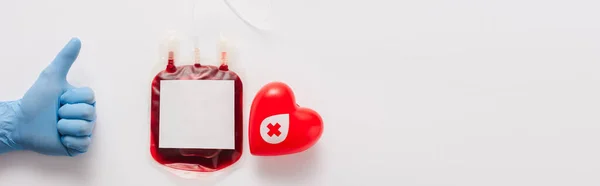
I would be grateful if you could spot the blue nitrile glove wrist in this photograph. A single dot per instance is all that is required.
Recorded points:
(8, 120)
(53, 117)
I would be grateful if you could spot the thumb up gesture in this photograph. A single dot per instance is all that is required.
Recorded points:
(53, 117)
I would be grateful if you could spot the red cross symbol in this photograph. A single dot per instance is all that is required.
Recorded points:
(274, 129)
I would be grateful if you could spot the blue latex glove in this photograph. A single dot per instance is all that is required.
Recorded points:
(53, 117)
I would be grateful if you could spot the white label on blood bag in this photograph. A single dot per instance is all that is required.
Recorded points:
(274, 129)
(197, 114)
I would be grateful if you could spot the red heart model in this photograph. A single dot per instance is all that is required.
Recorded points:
(278, 126)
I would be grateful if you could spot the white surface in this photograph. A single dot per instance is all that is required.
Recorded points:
(197, 114)
(428, 92)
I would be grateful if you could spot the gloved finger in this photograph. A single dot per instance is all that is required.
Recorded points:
(76, 145)
(62, 62)
(82, 111)
(78, 95)
(75, 127)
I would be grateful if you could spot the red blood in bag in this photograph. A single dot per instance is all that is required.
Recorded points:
(198, 160)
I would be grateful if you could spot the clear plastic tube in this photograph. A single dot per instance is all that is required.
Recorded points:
(241, 17)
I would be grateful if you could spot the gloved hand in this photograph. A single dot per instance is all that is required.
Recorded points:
(53, 117)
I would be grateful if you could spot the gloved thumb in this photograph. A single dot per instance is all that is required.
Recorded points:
(62, 62)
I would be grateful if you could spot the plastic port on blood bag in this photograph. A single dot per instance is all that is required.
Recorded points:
(199, 126)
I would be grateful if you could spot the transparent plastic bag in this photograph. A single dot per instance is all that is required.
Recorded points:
(196, 159)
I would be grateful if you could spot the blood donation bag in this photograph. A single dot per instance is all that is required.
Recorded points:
(196, 116)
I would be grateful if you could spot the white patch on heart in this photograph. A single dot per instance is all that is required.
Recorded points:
(274, 129)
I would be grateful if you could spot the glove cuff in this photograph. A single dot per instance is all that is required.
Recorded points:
(8, 122)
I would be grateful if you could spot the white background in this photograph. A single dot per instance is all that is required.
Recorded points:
(412, 92)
